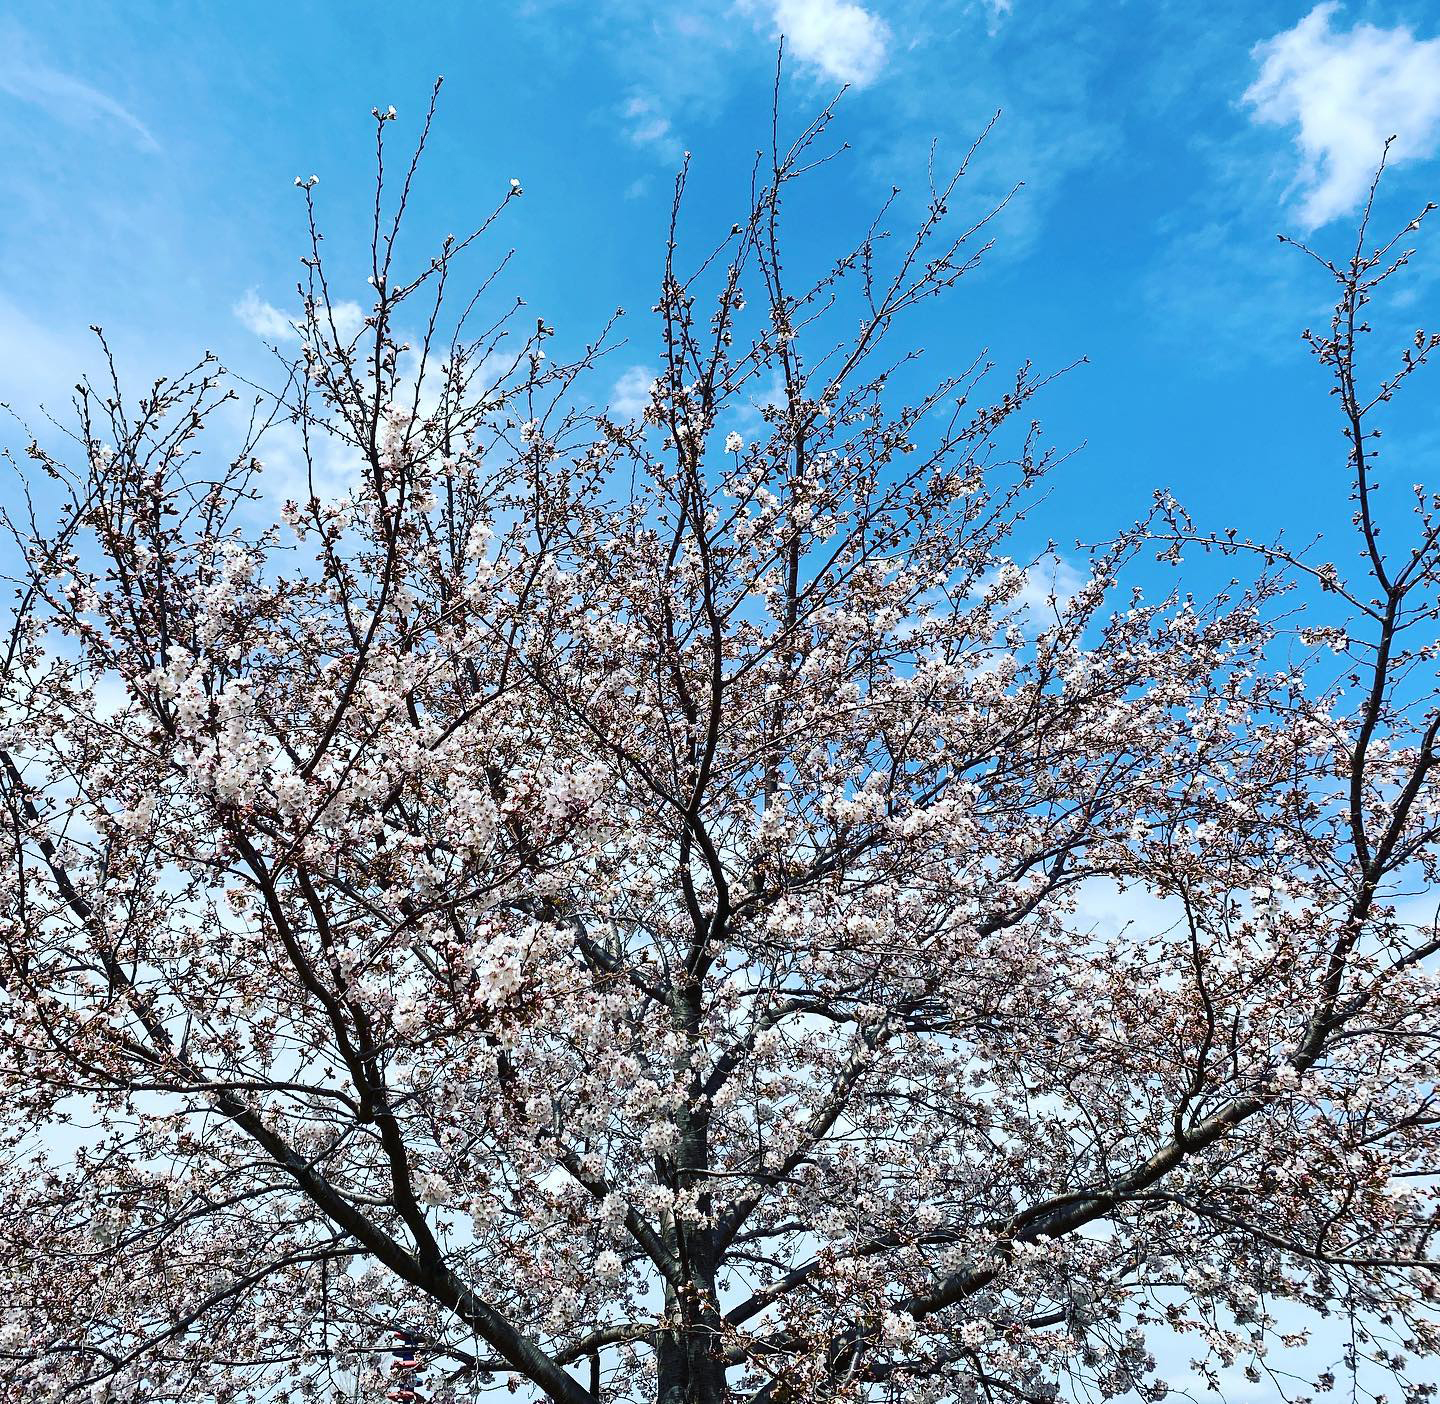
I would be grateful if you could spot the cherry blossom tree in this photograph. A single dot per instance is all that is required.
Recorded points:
(613, 900)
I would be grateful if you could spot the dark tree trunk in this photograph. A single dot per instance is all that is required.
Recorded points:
(689, 1372)
(687, 1357)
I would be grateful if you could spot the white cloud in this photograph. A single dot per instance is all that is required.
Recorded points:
(348, 317)
(648, 125)
(295, 464)
(1346, 92)
(1109, 908)
(1052, 577)
(64, 97)
(260, 317)
(631, 393)
(998, 10)
(842, 39)
(1048, 583)
(268, 321)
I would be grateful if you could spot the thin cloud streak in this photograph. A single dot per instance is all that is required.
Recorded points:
(63, 96)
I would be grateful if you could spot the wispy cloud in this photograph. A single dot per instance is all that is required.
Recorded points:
(679, 67)
(1345, 92)
(270, 323)
(997, 10)
(1046, 584)
(632, 392)
(842, 40)
(264, 319)
(1218, 287)
(648, 125)
(63, 96)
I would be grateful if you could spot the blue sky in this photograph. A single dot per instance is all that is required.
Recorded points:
(151, 152)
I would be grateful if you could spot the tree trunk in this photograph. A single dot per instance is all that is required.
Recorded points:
(688, 1371)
